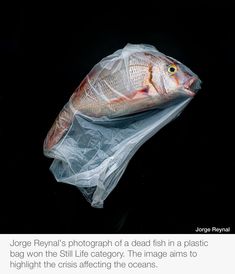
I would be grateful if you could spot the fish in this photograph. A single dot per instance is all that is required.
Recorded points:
(142, 79)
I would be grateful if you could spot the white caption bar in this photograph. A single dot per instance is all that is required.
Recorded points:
(105, 253)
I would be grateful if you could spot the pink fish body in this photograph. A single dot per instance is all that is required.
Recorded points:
(131, 80)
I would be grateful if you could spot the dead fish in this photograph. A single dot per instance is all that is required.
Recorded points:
(139, 80)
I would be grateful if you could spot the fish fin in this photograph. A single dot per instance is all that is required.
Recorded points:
(140, 93)
(137, 94)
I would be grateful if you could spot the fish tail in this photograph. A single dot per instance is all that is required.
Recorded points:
(59, 128)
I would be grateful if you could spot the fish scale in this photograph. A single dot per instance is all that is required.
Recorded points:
(110, 86)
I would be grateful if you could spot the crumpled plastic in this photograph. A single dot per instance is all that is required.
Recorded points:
(95, 151)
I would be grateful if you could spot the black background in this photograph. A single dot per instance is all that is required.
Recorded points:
(179, 180)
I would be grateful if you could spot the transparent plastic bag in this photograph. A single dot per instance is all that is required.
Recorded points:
(117, 107)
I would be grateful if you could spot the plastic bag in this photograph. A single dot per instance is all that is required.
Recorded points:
(125, 99)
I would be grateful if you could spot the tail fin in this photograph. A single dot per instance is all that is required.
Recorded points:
(59, 128)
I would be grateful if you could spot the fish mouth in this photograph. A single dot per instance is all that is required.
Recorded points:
(191, 86)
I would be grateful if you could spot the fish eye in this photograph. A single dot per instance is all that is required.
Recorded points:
(172, 69)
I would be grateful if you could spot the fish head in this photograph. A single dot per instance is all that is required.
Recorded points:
(174, 77)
